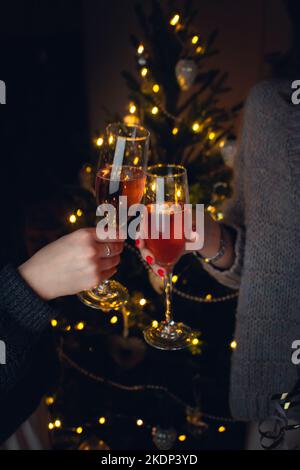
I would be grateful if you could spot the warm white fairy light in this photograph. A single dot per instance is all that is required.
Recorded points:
(144, 71)
(132, 108)
(80, 326)
(140, 49)
(72, 219)
(196, 127)
(155, 110)
(195, 39)
(174, 20)
(156, 88)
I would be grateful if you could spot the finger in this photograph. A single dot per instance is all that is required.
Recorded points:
(108, 263)
(147, 256)
(107, 274)
(108, 250)
(139, 243)
(158, 270)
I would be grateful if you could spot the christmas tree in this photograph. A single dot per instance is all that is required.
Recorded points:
(115, 391)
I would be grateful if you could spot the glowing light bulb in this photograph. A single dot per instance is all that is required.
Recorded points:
(211, 135)
(208, 297)
(195, 341)
(195, 39)
(143, 302)
(174, 278)
(79, 430)
(139, 422)
(54, 322)
(155, 323)
(50, 426)
(144, 72)
(57, 423)
(79, 212)
(132, 108)
(136, 160)
(182, 437)
(99, 143)
(102, 420)
(72, 218)
(222, 143)
(233, 344)
(140, 49)
(196, 127)
(80, 326)
(88, 169)
(49, 401)
(174, 20)
(175, 130)
(114, 320)
(199, 49)
(222, 429)
(154, 110)
(155, 88)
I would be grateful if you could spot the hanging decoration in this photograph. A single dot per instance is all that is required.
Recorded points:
(186, 71)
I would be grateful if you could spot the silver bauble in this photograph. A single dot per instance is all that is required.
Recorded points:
(186, 71)
(164, 439)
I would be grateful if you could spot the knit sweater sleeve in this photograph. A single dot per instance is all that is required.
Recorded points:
(24, 317)
(234, 216)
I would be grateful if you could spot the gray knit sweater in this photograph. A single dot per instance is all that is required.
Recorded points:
(265, 213)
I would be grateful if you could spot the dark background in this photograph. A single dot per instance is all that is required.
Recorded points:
(61, 61)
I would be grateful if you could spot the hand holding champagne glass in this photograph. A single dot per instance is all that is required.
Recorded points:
(166, 194)
(120, 172)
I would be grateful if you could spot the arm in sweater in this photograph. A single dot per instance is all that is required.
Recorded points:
(234, 218)
(24, 317)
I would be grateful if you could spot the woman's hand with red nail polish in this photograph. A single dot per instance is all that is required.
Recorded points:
(148, 256)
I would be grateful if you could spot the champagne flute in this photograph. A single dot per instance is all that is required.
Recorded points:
(120, 172)
(166, 193)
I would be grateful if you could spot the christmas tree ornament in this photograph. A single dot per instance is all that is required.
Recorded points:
(228, 152)
(195, 424)
(127, 352)
(164, 439)
(93, 443)
(186, 71)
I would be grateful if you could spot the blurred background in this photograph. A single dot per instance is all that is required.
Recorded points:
(62, 63)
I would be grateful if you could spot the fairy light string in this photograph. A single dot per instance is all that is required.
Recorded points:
(135, 388)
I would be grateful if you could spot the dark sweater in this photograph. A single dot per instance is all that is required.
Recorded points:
(265, 214)
(30, 362)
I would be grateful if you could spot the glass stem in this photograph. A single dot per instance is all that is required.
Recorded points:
(168, 296)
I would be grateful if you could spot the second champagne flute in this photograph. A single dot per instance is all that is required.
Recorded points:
(166, 194)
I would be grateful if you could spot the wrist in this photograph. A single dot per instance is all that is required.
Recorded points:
(35, 280)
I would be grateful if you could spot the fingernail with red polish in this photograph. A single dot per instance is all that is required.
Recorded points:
(161, 272)
(149, 259)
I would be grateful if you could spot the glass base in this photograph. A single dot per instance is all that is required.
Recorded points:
(169, 336)
(110, 296)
